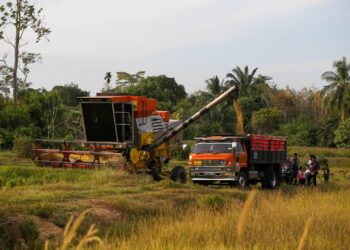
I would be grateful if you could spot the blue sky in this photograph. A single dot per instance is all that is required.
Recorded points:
(191, 40)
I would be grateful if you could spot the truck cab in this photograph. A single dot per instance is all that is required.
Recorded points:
(237, 160)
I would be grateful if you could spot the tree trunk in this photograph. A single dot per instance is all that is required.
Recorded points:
(15, 66)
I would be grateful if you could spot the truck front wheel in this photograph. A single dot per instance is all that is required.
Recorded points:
(178, 174)
(242, 181)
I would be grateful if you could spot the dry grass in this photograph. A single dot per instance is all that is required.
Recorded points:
(305, 234)
(285, 219)
(243, 217)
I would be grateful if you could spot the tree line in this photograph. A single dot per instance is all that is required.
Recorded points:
(309, 117)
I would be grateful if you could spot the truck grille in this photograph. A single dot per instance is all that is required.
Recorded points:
(210, 169)
(213, 162)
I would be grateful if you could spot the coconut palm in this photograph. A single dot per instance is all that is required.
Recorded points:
(338, 89)
(242, 79)
(214, 86)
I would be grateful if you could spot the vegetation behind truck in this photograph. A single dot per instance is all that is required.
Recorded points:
(241, 160)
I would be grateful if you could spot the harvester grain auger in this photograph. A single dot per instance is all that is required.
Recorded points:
(123, 131)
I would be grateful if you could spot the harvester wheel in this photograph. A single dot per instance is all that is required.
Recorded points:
(242, 181)
(155, 175)
(178, 174)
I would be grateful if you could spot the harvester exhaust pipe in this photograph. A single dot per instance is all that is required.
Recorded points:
(231, 92)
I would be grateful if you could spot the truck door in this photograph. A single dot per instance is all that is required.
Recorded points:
(241, 155)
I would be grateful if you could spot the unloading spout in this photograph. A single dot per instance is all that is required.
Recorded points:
(231, 92)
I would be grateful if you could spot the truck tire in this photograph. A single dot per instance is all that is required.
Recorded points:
(270, 180)
(242, 181)
(178, 174)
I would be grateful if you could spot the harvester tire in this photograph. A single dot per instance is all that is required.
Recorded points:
(178, 174)
(242, 181)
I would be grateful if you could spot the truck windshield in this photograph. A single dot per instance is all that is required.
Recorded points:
(212, 147)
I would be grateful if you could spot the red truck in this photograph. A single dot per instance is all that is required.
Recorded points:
(238, 160)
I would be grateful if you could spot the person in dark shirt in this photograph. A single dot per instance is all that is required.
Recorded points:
(326, 173)
(295, 168)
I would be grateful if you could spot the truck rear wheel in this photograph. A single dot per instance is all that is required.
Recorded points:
(178, 174)
(269, 181)
(242, 181)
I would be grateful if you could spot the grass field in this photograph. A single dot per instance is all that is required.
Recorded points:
(134, 212)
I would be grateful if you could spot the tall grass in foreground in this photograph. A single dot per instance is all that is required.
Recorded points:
(277, 221)
(70, 232)
(305, 219)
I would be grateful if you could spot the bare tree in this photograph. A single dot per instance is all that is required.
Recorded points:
(17, 17)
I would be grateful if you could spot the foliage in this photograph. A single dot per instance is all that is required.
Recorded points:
(22, 145)
(326, 130)
(164, 89)
(266, 120)
(339, 87)
(214, 85)
(342, 134)
(299, 114)
(125, 79)
(6, 138)
(29, 232)
(301, 132)
(242, 79)
(43, 209)
(68, 94)
(107, 86)
(16, 18)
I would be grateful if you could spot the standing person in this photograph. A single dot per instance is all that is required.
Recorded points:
(326, 173)
(313, 167)
(301, 176)
(295, 168)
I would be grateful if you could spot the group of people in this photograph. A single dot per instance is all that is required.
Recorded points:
(308, 175)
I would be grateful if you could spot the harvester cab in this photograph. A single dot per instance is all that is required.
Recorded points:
(123, 131)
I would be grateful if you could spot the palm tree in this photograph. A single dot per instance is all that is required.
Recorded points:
(338, 88)
(214, 86)
(242, 79)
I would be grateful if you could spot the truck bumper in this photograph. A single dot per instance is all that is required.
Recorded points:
(212, 174)
(216, 179)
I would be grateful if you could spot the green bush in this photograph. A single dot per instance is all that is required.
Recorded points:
(29, 232)
(22, 145)
(301, 132)
(342, 134)
(6, 138)
(213, 201)
(43, 209)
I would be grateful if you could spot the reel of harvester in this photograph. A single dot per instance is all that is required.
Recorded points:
(78, 154)
(123, 131)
